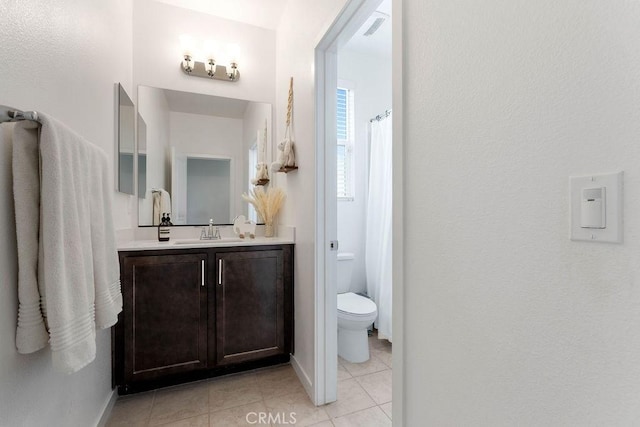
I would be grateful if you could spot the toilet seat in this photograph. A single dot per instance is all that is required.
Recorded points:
(355, 305)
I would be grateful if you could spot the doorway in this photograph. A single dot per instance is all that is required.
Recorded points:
(352, 19)
(203, 186)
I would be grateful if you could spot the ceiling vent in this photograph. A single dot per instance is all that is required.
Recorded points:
(374, 27)
(379, 19)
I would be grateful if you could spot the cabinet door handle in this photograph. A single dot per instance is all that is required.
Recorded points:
(202, 275)
(219, 272)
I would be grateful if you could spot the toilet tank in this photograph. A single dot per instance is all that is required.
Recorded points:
(345, 271)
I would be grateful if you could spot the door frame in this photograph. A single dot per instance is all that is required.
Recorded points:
(352, 16)
(232, 177)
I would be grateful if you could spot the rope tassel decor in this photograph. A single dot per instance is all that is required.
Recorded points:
(286, 148)
(262, 170)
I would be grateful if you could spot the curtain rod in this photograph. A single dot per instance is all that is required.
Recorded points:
(379, 117)
(8, 114)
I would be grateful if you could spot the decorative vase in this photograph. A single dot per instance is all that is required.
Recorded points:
(268, 230)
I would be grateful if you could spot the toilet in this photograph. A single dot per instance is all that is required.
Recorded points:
(355, 314)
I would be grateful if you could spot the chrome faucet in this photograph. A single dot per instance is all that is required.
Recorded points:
(210, 233)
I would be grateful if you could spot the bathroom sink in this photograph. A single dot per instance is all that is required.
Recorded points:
(207, 242)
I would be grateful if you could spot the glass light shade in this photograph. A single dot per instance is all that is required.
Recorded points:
(210, 49)
(187, 45)
(233, 53)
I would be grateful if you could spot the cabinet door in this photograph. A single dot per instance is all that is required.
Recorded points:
(165, 311)
(250, 306)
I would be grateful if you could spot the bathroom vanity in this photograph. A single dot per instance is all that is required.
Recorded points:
(194, 310)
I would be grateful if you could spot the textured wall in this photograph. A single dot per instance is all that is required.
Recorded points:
(63, 58)
(507, 321)
(295, 57)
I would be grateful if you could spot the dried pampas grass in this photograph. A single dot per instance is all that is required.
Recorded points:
(267, 203)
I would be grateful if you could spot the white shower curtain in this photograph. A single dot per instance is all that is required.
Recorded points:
(378, 238)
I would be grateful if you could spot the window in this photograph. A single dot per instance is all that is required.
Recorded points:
(345, 131)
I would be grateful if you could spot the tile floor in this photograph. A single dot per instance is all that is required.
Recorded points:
(364, 399)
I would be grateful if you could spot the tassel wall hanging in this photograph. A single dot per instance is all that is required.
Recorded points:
(286, 150)
(262, 171)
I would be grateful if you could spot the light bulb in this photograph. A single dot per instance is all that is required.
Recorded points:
(187, 45)
(210, 49)
(233, 52)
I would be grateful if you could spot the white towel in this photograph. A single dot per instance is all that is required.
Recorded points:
(31, 334)
(161, 204)
(78, 271)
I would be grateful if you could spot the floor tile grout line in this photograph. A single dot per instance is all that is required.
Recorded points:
(354, 412)
(369, 394)
(386, 368)
(153, 403)
(363, 409)
(383, 362)
(385, 412)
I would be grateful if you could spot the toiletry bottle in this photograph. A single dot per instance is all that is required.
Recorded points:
(163, 229)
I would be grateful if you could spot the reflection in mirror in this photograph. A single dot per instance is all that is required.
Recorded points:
(198, 155)
(125, 117)
(209, 189)
(252, 214)
(142, 157)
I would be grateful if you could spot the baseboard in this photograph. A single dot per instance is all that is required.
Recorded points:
(106, 412)
(303, 377)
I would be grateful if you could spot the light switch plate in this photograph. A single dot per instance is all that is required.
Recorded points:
(612, 233)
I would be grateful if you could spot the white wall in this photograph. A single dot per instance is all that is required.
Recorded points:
(508, 322)
(295, 57)
(157, 28)
(370, 76)
(154, 109)
(61, 58)
(218, 136)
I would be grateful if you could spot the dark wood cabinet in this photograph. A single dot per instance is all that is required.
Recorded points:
(165, 298)
(249, 306)
(190, 314)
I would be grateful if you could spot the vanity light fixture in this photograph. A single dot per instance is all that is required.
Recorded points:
(211, 67)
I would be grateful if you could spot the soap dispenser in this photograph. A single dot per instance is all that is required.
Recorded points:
(163, 228)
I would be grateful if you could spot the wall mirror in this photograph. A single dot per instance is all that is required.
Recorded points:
(198, 155)
(125, 117)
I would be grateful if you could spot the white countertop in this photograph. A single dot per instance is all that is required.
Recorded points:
(139, 245)
(187, 238)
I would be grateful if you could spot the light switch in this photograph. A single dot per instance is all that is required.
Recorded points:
(593, 208)
(596, 207)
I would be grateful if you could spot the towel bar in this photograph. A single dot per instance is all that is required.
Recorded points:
(8, 114)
